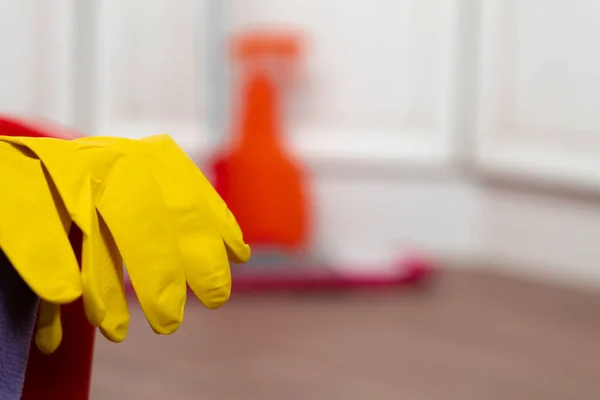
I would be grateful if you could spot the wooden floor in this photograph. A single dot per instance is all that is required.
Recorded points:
(466, 337)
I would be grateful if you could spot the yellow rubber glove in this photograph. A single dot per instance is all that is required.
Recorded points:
(123, 190)
(34, 232)
(202, 217)
(34, 228)
(174, 162)
(75, 189)
(123, 184)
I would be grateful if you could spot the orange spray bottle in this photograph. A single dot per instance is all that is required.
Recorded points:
(259, 179)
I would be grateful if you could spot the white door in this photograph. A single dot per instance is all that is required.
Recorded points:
(538, 123)
(540, 90)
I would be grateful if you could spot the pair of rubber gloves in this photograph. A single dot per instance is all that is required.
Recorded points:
(143, 203)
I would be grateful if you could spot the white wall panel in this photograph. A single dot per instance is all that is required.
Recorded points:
(377, 74)
(539, 87)
(17, 46)
(54, 47)
(154, 51)
(151, 69)
(36, 42)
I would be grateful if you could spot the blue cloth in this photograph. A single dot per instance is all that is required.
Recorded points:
(18, 311)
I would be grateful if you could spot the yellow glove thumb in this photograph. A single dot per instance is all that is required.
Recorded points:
(34, 227)
(71, 176)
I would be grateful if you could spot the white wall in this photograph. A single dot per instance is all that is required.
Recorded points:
(404, 106)
(538, 123)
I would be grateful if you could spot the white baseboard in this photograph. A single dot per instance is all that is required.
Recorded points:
(543, 236)
(551, 234)
(535, 164)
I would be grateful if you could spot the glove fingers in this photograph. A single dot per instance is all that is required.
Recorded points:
(205, 259)
(204, 255)
(116, 322)
(51, 270)
(71, 175)
(131, 205)
(95, 260)
(102, 271)
(49, 329)
(206, 268)
(237, 250)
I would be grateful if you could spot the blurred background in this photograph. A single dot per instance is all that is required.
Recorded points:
(462, 133)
